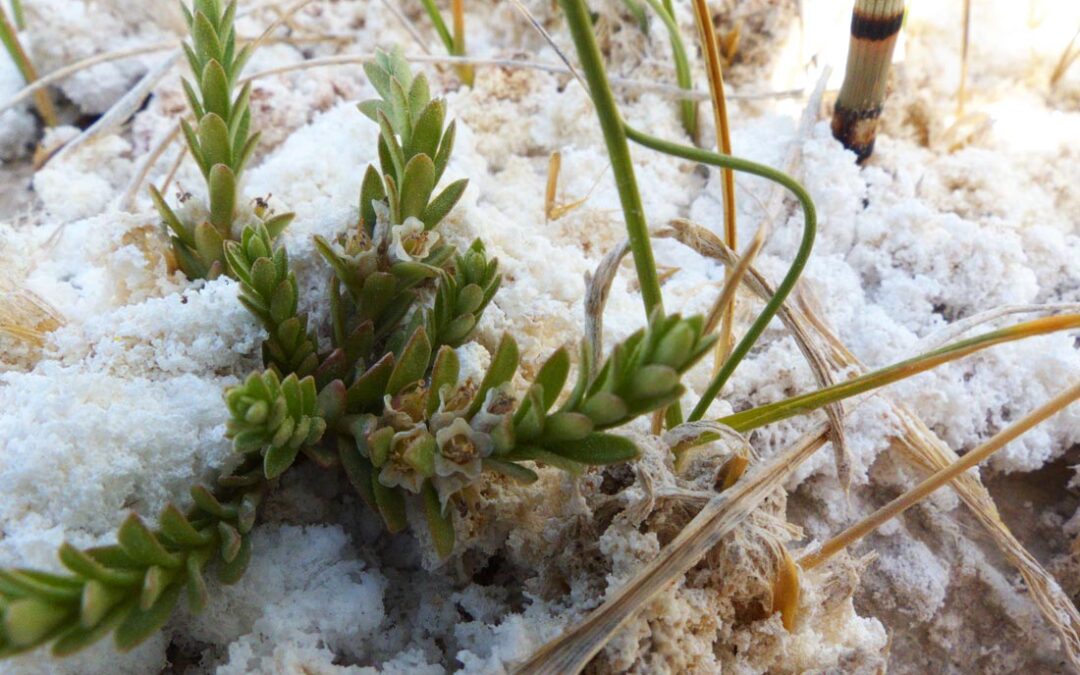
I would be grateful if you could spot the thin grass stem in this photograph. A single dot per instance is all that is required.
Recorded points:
(797, 265)
(800, 405)
(938, 479)
(734, 278)
(711, 51)
(688, 110)
(440, 25)
(615, 137)
(465, 70)
(1066, 60)
(9, 36)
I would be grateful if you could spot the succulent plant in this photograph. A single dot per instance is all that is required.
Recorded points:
(384, 401)
(131, 588)
(221, 143)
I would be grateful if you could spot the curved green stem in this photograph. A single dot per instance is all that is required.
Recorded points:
(689, 108)
(797, 265)
(800, 405)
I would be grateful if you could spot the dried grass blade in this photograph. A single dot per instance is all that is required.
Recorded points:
(597, 288)
(711, 52)
(145, 165)
(69, 70)
(923, 448)
(125, 107)
(726, 301)
(407, 24)
(571, 652)
(622, 83)
(708, 244)
(552, 189)
(957, 328)
(940, 478)
(1066, 60)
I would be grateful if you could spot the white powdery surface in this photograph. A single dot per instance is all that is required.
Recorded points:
(81, 446)
(16, 125)
(125, 409)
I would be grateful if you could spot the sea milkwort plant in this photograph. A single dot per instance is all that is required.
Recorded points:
(384, 402)
(221, 142)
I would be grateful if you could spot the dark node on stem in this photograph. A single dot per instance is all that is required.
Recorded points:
(874, 27)
(856, 129)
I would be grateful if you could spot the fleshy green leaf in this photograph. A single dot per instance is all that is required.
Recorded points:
(598, 449)
(552, 376)
(178, 529)
(215, 90)
(369, 388)
(446, 371)
(416, 187)
(510, 469)
(502, 368)
(28, 621)
(442, 205)
(371, 190)
(391, 503)
(230, 572)
(440, 525)
(140, 624)
(141, 544)
(428, 130)
(222, 183)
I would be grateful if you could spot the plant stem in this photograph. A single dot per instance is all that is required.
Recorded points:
(711, 52)
(440, 25)
(800, 405)
(457, 7)
(938, 479)
(961, 90)
(577, 18)
(689, 109)
(797, 265)
(10, 38)
(18, 14)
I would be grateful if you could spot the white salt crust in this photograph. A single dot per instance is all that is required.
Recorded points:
(125, 408)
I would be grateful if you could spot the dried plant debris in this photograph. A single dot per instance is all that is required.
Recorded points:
(25, 320)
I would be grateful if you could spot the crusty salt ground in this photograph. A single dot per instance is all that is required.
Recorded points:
(125, 407)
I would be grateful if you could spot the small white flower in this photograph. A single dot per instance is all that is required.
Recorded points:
(405, 409)
(447, 487)
(460, 449)
(498, 403)
(399, 474)
(411, 241)
(382, 222)
(459, 460)
(453, 402)
(396, 472)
